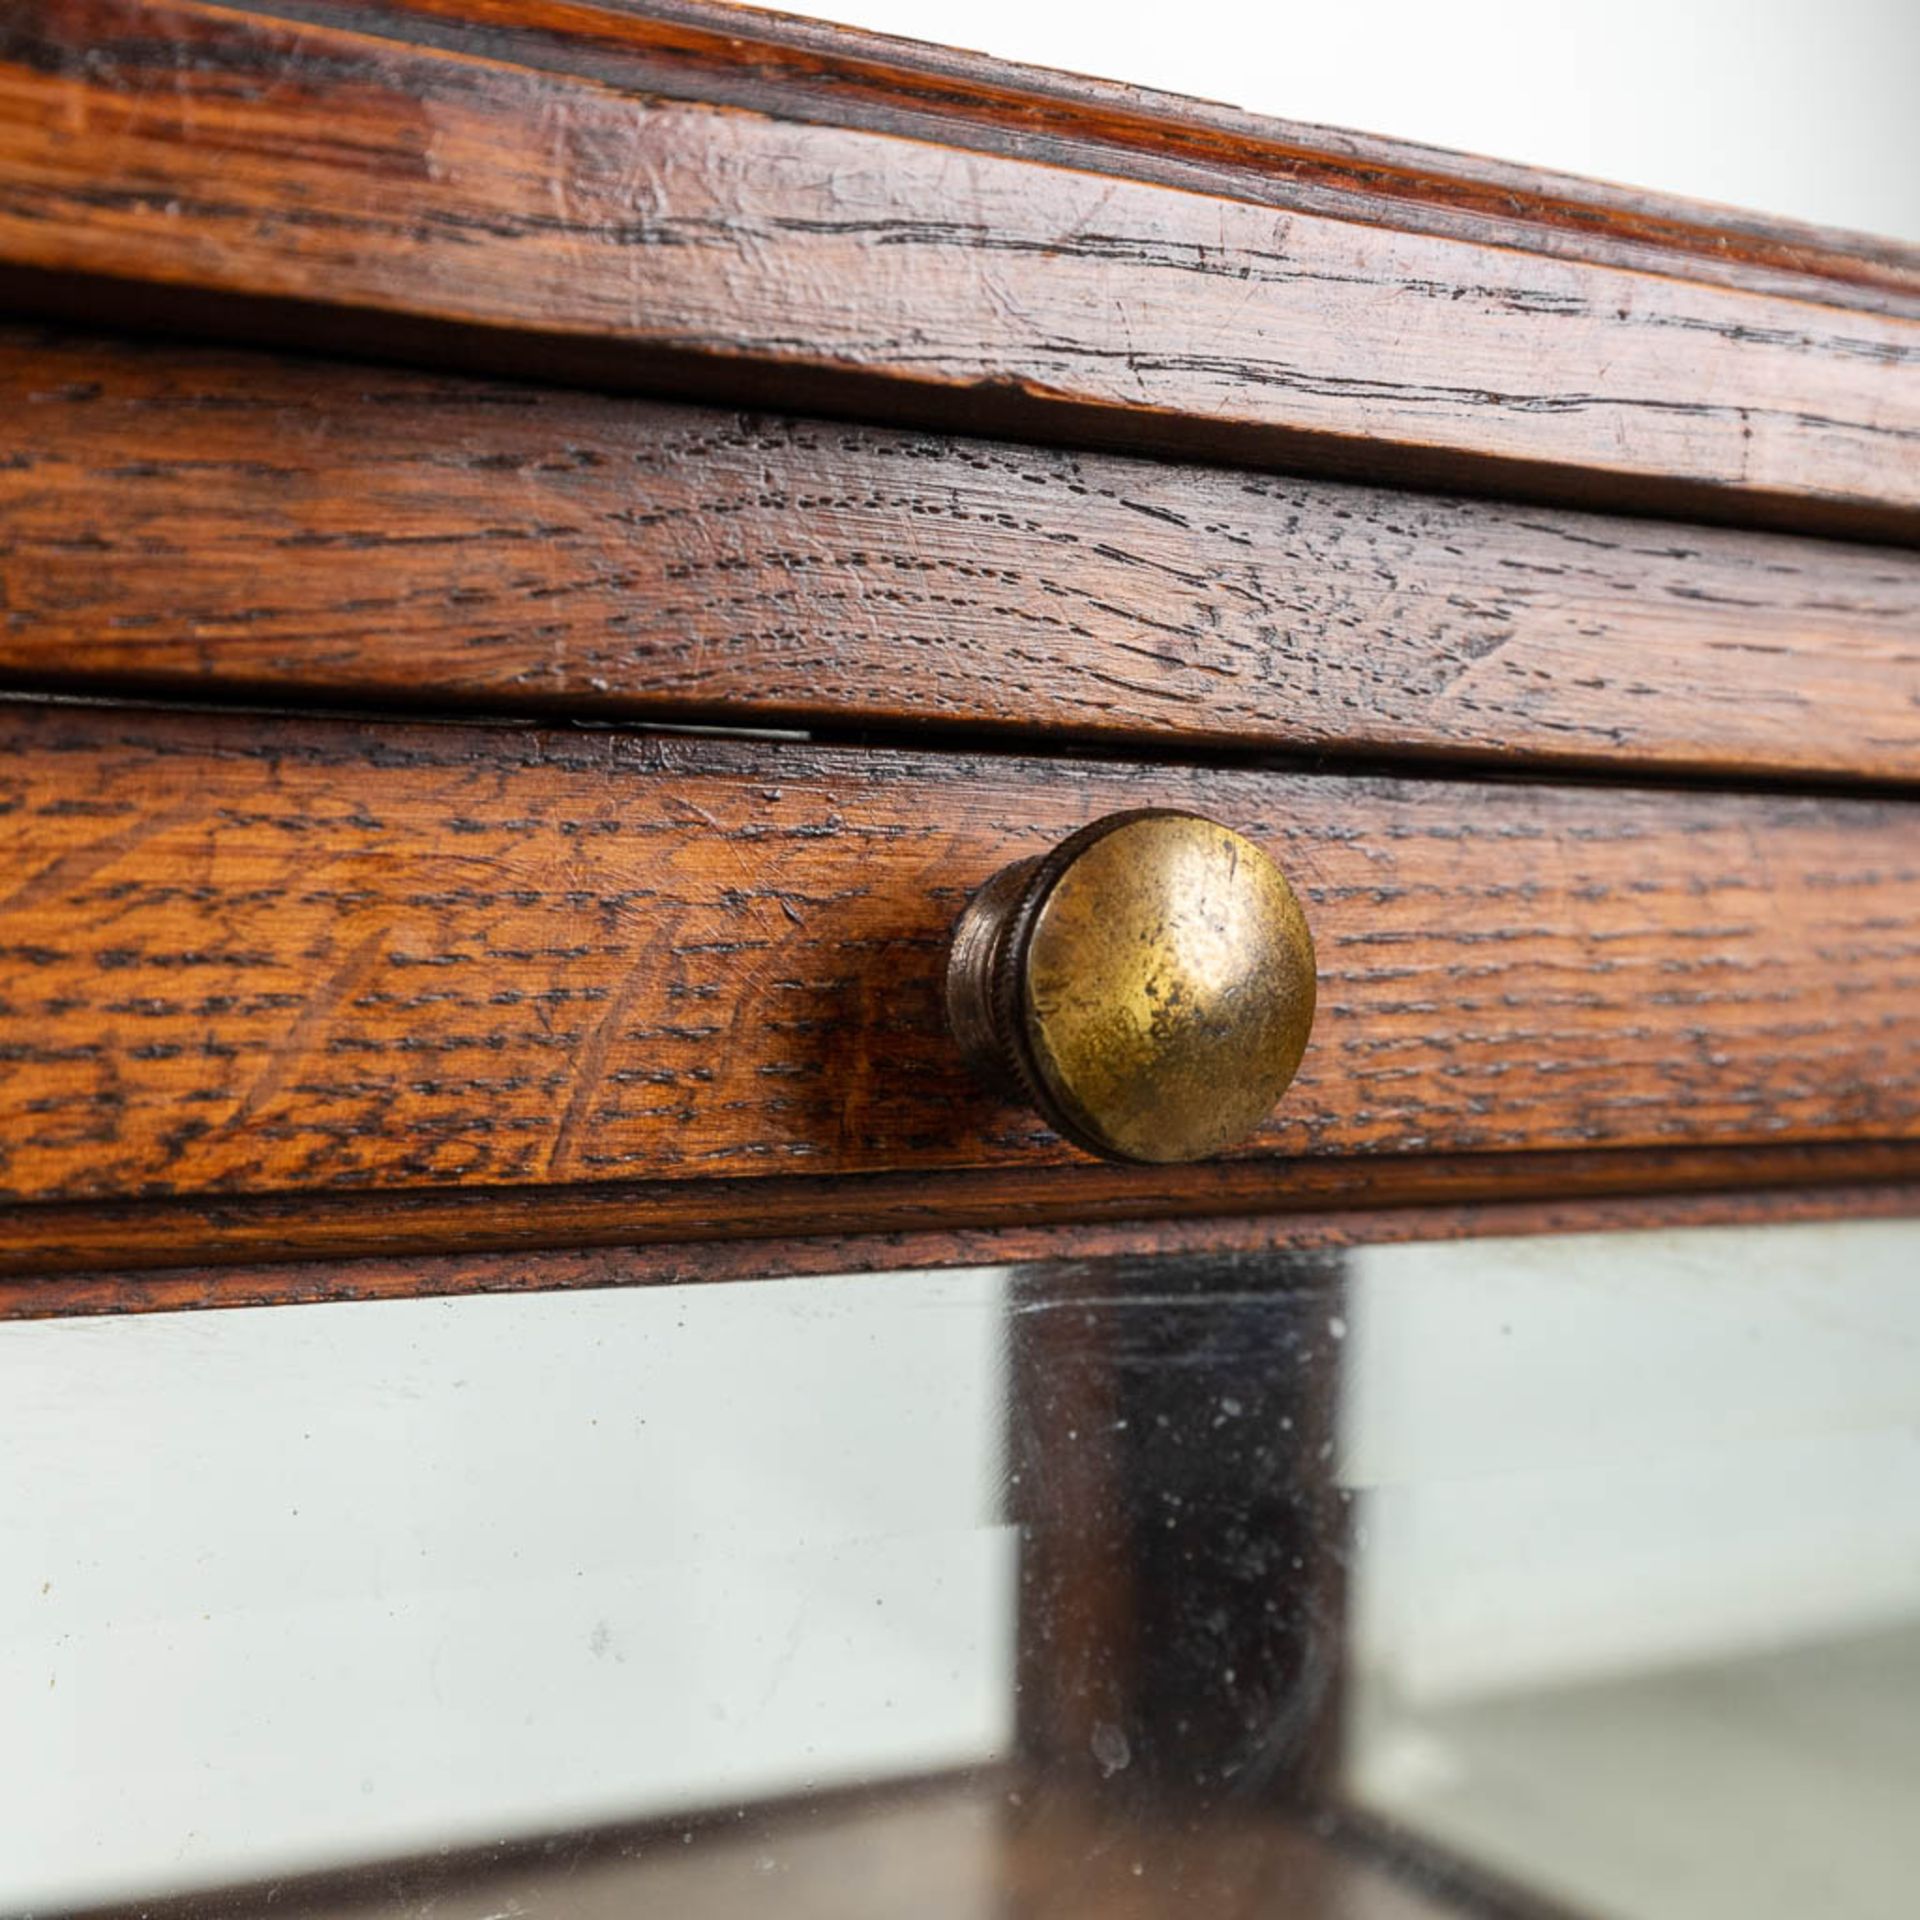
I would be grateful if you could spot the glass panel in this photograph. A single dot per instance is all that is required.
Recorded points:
(1635, 1609)
(1572, 1575)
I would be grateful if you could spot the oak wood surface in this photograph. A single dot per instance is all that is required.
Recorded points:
(249, 954)
(801, 69)
(36, 1289)
(160, 148)
(196, 520)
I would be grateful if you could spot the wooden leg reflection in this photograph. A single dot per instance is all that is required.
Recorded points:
(1183, 1545)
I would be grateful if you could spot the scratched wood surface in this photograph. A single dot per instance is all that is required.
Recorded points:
(363, 187)
(249, 954)
(799, 69)
(196, 520)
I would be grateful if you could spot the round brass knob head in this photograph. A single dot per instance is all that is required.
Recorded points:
(1148, 986)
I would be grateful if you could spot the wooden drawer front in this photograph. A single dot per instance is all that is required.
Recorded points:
(205, 521)
(273, 955)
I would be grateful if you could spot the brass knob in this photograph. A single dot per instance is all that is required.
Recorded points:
(1148, 986)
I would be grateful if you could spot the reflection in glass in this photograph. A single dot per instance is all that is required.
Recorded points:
(1635, 1610)
(1556, 1576)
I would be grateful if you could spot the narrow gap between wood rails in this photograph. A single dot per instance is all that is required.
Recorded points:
(1466, 767)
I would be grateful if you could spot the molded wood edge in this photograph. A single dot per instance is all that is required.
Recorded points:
(363, 1264)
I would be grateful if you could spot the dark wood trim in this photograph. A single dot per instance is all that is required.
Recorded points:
(442, 187)
(199, 522)
(885, 1220)
(45, 1284)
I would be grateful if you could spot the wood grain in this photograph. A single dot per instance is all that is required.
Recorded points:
(197, 521)
(794, 1222)
(32, 1292)
(801, 69)
(251, 954)
(367, 183)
